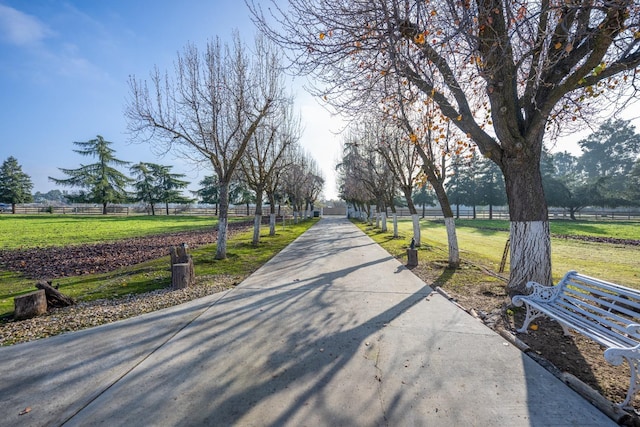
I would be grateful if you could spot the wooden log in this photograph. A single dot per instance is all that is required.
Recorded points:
(30, 305)
(180, 276)
(412, 257)
(54, 297)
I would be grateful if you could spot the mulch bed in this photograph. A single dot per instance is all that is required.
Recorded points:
(55, 262)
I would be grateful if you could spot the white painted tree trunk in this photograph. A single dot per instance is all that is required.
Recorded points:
(295, 217)
(383, 219)
(256, 228)
(221, 248)
(395, 224)
(530, 255)
(416, 228)
(272, 224)
(454, 252)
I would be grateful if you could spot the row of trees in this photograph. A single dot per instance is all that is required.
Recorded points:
(606, 173)
(226, 107)
(502, 76)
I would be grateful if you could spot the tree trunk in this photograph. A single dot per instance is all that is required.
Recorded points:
(447, 212)
(530, 238)
(272, 216)
(221, 249)
(166, 206)
(416, 228)
(383, 220)
(395, 225)
(454, 252)
(272, 224)
(104, 209)
(153, 209)
(257, 220)
(530, 251)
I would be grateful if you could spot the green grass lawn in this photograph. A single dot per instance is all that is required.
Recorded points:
(243, 258)
(28, 231)
(482, 242)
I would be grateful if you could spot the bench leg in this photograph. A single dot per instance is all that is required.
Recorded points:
(532, 314)
(616, 356)
(565, 330)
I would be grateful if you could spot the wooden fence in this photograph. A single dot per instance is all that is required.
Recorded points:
(430, 213)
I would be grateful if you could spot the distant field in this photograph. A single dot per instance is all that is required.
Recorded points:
(619, 229)
(27, 231)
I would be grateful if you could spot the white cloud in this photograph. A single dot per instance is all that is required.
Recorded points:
(20, 29)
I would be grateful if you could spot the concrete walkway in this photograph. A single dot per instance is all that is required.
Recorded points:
(331, 332)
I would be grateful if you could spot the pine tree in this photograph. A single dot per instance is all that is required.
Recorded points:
(100, 182)
(15, 185)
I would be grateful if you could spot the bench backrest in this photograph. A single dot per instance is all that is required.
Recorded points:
(605, 304)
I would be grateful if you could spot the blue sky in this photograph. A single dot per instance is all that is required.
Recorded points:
(64, 67)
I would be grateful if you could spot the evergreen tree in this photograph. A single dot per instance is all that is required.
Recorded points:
(208, 192)
(170, 185)
(15, 185)
(424, 198)
(156, 184)
(490, 188)
(100, 182)
(608, 157)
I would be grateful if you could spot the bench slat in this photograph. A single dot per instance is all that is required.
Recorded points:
(589, 328)
(629, 305)
(610, 319)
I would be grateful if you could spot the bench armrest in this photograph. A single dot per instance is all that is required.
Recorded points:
(633, 329)
(539, 293)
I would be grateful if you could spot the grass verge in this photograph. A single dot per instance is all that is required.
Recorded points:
(482, 244)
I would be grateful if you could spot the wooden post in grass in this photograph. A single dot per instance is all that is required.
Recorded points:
(412, 254)
(182, 271)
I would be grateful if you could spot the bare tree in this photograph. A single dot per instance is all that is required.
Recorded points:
(364, 163)
(504, 73)
(211, 109)
(302, 182)
(403, 161)
(265, 155)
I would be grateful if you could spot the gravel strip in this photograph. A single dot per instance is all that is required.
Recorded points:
(88, 314)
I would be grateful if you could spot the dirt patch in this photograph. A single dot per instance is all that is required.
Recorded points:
(49, 263)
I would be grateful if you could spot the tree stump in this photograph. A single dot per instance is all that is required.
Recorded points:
(179, 257)
(54, 297)
(180, 275)
(412, 257)
(30, 305)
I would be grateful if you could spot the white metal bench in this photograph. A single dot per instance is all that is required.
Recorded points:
(607, 313)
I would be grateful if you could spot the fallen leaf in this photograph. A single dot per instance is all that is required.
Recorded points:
(25, 410)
